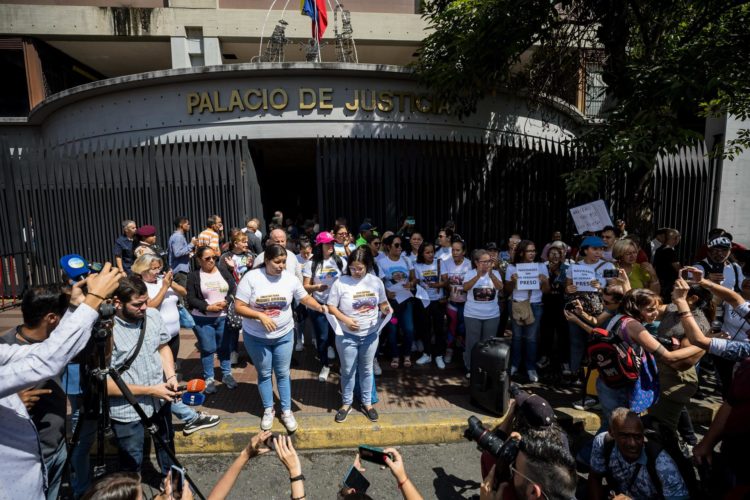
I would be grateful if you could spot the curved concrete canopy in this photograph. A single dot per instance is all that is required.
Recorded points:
(281, 101)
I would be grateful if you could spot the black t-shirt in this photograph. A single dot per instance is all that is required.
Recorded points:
(48, 414)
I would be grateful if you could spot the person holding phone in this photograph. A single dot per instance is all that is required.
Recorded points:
(525, 328)
(354, 481)
(264, 299)
(430, 318)
(208, 294)
(342, 245)
(319, 274)
(355, 300)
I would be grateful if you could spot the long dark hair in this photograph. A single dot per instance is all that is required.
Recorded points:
(363, 255)
(273, 251)
(521, 251)
(704, 303)
(422, 248)
(199, 255)
(317, 259)
(635, 299)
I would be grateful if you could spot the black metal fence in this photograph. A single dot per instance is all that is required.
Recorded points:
(71, 200)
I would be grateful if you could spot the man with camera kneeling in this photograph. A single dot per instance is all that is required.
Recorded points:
(142, 357)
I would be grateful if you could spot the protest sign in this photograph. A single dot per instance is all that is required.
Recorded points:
(592, 216)
(582, 277)
(528, 276)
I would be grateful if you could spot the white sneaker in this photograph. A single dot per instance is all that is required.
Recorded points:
(299, 347)
(210, 386)
(468, 375)
(331, 353)
(420, 346)
(533, 377)
(324, 372)
(566, 370)
(426, 359)
(234, 357)
(448, 356)
(586, 404)
(267, 421)
(287, 418)
(439, 362)
(376, 368)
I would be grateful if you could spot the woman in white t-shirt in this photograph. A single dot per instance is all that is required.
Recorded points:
(530, 289)
(453, 270)
(300, 312)
(264, 299)
(415, 242)
(482, 310)
(319, 275)
(208, 294)
(342, 245)
(357, 300)
(430, 318)
(397, 274)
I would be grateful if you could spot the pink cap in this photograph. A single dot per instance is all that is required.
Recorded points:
(324, 237)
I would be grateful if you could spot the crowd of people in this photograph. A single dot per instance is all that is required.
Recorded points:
(433, 299)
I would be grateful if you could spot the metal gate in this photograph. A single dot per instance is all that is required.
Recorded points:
(72, 200)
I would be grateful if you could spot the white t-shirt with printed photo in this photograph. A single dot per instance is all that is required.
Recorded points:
(340, 250)
(271, 295)
(359, 300)
(519, 295)
(426, 274)
(326, 273)
(168, 308)
(481, 300)
(395, 274)
(455, 273)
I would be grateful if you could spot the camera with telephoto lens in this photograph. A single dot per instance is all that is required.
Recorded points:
(504, 452)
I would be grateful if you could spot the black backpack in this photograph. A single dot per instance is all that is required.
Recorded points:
(660, 438)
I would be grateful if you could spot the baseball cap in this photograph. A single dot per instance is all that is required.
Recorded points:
(146, 231)
(491, 246)
(720, 242)
(593, 241)
(536, 409)
(366, 227)
(324, 237)
(74, 266)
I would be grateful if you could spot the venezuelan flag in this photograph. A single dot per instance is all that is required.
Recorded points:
(316, 10)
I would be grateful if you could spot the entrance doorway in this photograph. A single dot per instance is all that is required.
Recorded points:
(287, 178)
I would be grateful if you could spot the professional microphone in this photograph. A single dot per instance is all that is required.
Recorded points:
(77, 268)
(196, 385)
(193, 398)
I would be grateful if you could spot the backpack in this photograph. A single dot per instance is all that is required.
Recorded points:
(618, 363)
(659, 438)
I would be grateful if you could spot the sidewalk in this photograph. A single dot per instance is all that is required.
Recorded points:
(418, 405)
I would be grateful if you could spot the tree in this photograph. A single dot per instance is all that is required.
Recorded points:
(667, 65)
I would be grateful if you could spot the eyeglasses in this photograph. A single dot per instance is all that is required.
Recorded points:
(342, 234)
(396, 245)
(514, 471)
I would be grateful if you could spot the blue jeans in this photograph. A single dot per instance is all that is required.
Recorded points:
(55, 465)
(184, 412)
(323, 335)
(211, 340)
(403, 313)
(611, 399)
(357, 354)
(526, 336)
(272, 356)
(80, 473)
(130, 439)
(578, 340)
(456, 326)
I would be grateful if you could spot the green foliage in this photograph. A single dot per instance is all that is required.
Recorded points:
(667, 65)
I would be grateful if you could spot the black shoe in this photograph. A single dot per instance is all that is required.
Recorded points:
(342, 414)
(372, 413)
(204, 421)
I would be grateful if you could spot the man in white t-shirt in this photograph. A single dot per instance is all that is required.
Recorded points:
(278, 237)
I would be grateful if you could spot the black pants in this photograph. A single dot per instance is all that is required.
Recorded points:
(430, 321)
(553, 333)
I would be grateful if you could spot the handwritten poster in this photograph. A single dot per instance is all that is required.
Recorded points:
(592, 216)
(528, 276)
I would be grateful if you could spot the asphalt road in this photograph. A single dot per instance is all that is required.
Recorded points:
(448, 471)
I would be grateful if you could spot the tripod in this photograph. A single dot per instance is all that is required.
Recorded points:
(102, 332)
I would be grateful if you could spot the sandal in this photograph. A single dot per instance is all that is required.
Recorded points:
(407, 363)
(394, 363)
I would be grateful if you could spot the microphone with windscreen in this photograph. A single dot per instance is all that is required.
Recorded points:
(194, 395)
(193, 398)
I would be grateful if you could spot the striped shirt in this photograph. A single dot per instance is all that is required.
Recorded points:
(146, 368)
(209, 238)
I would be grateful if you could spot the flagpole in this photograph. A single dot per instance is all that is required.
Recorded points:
(317, 31)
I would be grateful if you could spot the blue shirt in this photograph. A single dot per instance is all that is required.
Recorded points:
(179, 252)
(733, 350)
(124, 249)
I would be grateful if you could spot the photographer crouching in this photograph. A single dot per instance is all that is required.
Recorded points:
(527, 456)
(27, 364)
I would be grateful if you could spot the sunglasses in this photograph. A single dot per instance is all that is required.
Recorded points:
(396, 245)
(210, 258)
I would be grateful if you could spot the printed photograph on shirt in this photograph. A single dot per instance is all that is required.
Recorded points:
(430, 276)
(364, 302)
(214, 286)
(484, 294)
(398, 275)
(327, 275)
(270, 305)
